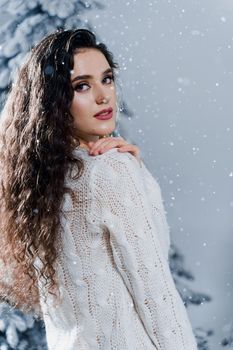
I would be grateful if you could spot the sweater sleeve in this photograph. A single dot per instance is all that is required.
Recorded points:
(156, 203)
(119, 198)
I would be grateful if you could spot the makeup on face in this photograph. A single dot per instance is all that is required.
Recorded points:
(94, 103)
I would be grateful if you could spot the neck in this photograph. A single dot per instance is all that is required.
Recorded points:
(85, 143)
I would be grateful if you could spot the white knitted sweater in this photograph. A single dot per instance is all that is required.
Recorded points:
(117, 289)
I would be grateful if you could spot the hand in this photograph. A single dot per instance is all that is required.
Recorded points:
(104, 144)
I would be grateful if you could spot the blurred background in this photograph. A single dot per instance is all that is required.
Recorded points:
(175, 82)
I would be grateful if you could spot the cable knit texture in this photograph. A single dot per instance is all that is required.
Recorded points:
(117, 289)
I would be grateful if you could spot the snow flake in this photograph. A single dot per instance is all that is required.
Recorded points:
(49, 70)
(195, 32)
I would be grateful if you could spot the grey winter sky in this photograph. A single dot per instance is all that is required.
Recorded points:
(176, 61)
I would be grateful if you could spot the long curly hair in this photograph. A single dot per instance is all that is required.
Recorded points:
(37, 137)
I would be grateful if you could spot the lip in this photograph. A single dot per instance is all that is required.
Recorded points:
(106, 116)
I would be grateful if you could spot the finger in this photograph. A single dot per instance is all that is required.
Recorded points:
(94, 149)
(107, 143)
(95, 145)
(105, 147)
(106, 139)
(130, 148)
(112, 144)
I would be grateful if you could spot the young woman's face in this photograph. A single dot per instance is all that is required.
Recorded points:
(92, 94)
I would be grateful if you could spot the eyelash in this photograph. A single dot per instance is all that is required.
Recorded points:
(107, 76)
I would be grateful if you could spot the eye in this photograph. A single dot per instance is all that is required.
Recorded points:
(79, 87)
(109, 77)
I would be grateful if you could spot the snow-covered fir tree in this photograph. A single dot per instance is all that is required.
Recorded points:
(29, 22)
(227, 342)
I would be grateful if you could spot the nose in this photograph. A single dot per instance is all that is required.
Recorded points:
(101, 96)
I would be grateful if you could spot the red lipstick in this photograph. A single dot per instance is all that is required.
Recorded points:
(104, 114)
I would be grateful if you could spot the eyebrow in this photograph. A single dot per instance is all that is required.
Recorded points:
(87, 76)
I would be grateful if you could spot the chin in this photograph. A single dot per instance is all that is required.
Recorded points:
(107, 130)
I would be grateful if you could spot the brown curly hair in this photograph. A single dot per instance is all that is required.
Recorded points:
(37, 137)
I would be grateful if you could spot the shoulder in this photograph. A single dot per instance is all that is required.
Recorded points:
(110, 155)
(115, 171)
(114, 162)
(108, 169)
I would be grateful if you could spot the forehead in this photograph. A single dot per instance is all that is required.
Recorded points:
(89, 61)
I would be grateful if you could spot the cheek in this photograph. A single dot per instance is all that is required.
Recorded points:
(113, 96)
(80, 105)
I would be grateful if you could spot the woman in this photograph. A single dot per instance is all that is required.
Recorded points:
(86, 231)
